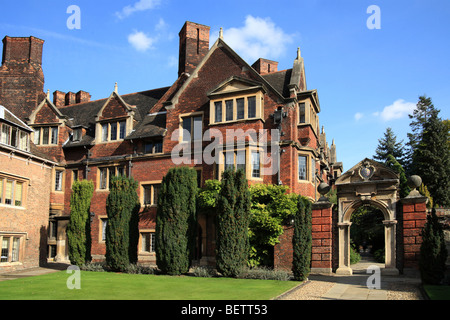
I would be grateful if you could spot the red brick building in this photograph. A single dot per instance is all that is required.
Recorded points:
(217, 95)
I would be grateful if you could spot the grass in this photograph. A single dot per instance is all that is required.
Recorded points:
(438, 292)
(118, 286)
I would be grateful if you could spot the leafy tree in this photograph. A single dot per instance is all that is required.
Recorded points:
(271, 208)
(233, 213)
(122, 230)
(302, 240)
(433, 251)
(176, 221)
(389, 146)
(367, 228)
(79, 227)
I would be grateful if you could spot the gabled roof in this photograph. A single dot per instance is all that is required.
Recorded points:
(83, 114)
(11, 118)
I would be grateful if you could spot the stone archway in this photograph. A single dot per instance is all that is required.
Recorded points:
(367, 183)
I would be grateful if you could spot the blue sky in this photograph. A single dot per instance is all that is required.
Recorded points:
(367, 79)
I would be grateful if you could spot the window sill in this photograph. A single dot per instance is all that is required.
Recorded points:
(2, 205)
(235, 121)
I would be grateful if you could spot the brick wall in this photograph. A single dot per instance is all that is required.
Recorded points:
(321, 259)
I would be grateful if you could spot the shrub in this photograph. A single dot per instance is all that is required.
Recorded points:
(233, 213)
(79, 227)
(122, 230)
(433, 251)
(204, 272)
(176, 221)
(302, 240)
(355, 257)
(263, 273)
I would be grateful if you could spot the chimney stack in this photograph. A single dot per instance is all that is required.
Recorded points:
(82, 96)
(59, 98)
(264, 66)
(194, 45)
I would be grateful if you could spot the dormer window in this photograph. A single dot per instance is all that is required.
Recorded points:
(115, 130)
(13, 137)
(236, 100)
(46, 135)
(77, 134)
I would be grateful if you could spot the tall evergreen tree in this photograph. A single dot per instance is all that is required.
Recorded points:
(176, 221)
(302, 240)
(433, 251)
(389, 145)
(392, 163)
(431, 160)
(233, 216)
(79, 227)
(122, 231)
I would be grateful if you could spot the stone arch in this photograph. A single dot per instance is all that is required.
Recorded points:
(367, 183)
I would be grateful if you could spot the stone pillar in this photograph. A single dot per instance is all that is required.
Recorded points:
(344, 249)
(414, 208)
(390, 247)
(321, 259)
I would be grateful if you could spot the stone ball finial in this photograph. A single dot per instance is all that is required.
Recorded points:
(414, 182)
(323, 188)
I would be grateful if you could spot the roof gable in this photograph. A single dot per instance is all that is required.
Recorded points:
(46, 112)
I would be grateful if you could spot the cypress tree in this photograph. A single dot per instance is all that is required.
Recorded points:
(122, 207)
(176, 221)
(79, 227)
(433, 251)
(233, 216)
(302, 240)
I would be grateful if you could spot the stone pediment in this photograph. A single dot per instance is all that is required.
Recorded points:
(367, 171)
(235, 85)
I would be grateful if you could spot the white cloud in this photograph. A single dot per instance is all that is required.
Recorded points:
(140, 41)
(358, 116)
(141, 5)
(399, 109)
(258, 38)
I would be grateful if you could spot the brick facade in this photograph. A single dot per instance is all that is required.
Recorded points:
(134, 134)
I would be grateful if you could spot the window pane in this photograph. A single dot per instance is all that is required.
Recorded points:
(104, 224)
(18, 194)
(15, 250)
(147, 194)
(105, 132)
(145, 242)
(123, 126)
(45, 134)
(58, 180)
(218, 111)
(148, 147)
(302, 112)
(301, 167)
(8, 192)
(54, 135)
(229, 160)
(158, 147)
(14, 137)
(103, 177)
(23, 142)
(153, 242)
(1, 190)
(255, 165)
(198, 127)
(113, 131)
(229, 110)
(5, 134)
(37, 135)
(156, 188)
(5, 250)
(240, 108)
(187, 129)
(240, 160)
(251, 101)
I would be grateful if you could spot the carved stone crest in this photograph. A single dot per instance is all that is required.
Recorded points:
(366, 170)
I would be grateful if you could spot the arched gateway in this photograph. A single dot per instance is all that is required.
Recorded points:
(368, 183)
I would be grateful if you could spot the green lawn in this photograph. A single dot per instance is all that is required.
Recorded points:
(110, 286)
(438, 292)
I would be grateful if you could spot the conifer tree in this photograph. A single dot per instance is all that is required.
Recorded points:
(433, 251)
(233, 216)
(176, 221)
(79, 227)
(389, 145)
(392, 163)
(122, 230)
(302, 240)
